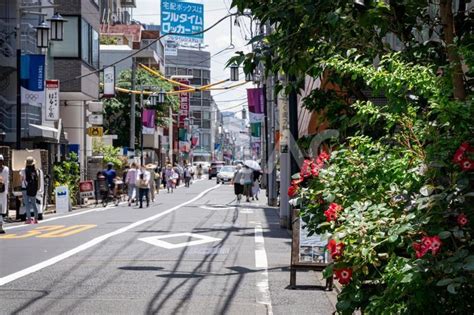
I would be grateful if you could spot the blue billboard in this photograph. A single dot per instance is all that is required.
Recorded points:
(182, 19)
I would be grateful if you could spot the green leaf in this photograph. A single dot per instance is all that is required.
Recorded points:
(343, 305)
(407, 278)
(393, 238)
(444, 282)
(469, 266)
(452, 288)
(444, 235)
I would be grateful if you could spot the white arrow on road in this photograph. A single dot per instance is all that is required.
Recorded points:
(157, 240)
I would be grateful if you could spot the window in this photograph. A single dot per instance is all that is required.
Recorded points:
(206, 74)
(206, 103)
(206, 124)
(170, 71)
(197, 73)
(205, 81)
(89, 45)
(69, 46)
(206, 139)
(182, 71)
(195, 81)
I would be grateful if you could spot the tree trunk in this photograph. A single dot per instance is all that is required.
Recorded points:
(446, 14)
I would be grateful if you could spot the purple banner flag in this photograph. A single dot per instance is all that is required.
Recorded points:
(148, 121)
(255, 100)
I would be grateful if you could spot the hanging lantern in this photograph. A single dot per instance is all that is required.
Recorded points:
(57, 27)
(234, 72)
(42, 35)
(161, 97)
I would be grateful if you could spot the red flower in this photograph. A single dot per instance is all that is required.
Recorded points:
(314, 171)
(464, 147)
(296, 182)
(292, 191)
(462, 219)
(335, 249)
(458, 157)
(420, 250)
(428, 243)
(343, 275)
(435, 245)
(324, 156)
(332, 212)
(467, 165)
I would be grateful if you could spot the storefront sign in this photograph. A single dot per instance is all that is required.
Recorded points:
(95, 119)
(109, 82)
(95, 131)
(171, 48)
(86, 189)
(52, 100)
(184, 103)
(183, 19)
(62, 199)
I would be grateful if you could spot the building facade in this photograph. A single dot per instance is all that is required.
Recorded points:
(195, 66)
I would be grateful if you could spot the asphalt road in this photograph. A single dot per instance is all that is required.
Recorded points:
(191, 252)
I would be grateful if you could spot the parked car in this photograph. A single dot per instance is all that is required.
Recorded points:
(214, 168)
(226, 174)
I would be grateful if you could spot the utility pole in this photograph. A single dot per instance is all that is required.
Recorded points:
(285, 157)
(132, 107)
(141, 129)
(170, 135)
(18, 74)
(293, 120)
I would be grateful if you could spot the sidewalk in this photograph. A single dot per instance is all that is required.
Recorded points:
(309, 297)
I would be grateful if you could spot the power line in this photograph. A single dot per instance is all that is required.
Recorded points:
(146, 46)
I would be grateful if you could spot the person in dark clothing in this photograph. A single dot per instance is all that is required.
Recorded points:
(32, 180)
(110, 175)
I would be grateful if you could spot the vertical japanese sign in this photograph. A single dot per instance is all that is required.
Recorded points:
(32, 80)
(183, 104)
(52, 100)
(109, 82)
(183, 20)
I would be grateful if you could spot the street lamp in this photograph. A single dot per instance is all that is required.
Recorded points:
(42, 35)
(57, 27)
(234, 72)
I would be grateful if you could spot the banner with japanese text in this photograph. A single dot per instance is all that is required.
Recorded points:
(182, 20)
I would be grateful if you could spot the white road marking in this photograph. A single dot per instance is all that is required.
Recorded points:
(73, 214)
(64, 216)
(263, 288)
(216, 207)
(157, 240)
(93, 242)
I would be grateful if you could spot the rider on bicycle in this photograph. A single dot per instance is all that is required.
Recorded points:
(110, 175)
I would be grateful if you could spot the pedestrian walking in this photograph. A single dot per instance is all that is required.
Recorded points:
(163, 178)
(256, 184)
(4, 184)
(151, 183)
(110, 174)
(238, 187)
(143, 189)
(131, 181)
(31, 177)
(187, 175)
(157, 179)
(247, 180)
(171, 178)
(199, 171)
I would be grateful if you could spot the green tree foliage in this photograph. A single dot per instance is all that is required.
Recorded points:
(117, 109)
(67, 173)
(396, 194)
